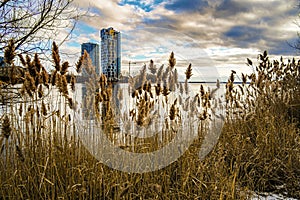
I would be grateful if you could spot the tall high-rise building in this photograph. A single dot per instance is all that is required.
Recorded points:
(111, 53)
(2, 63)
(93, 50)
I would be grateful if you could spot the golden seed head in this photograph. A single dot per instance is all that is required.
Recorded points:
(37, 63)
(6, 128)
(54, 77)
(79, 64)
(188, 73)
(44, 109)
(19, 153)
(9, 52)
(55, 56)
(45, 77)
(40, 91)
(29, 83)
(64, 68)
(72, 81)
(64, 85)
(172, 60)
(22, 60)
(173, 111)
(70, 102)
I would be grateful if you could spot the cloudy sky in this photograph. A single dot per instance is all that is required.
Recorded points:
(214, 35)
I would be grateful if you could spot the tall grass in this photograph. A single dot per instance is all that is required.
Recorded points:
(42, 157)
(263, 127)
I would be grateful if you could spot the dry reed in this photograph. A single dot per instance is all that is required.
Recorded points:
(258, 151)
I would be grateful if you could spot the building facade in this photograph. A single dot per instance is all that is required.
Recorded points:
(93, 50)
(2, 63)
(111, 53)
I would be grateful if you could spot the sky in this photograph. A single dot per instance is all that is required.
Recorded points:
(216, 36)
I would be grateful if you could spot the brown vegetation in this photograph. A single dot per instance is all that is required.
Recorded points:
(258, 151)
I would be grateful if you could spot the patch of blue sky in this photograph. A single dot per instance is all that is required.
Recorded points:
(190, 45)
(127, 37)
(187, 5)
(218, 49)
(160, 49)
(95, 11)
(146, 5)
(140, 57)
(73, 44)
(83, 28)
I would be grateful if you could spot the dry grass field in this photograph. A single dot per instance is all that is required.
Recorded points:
(42, 156)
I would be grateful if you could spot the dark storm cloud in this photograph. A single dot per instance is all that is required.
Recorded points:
(163, 21)
(283, 47)
(244, 35)
(293, 14)
(229, 8)
(187, 5)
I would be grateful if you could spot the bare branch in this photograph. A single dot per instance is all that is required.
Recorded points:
(32, 24)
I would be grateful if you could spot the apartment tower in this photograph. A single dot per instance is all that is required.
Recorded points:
(93, 50)
(111, 53)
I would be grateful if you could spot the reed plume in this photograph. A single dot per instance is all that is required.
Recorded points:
(23, 62)
(172, 82)
(172, 60)
(19, 153)
(40, 91)
(72, 82)
(44, 109)
(58, 82)
(159, 73)
(45, 77)
(188, 73)
(21, 109)
(79, 64)
(70, 103)
(64, 68)
(166, 74)
(37, 80)
(152, 67)
(218, 84)
(37, 63)
(181, 90)
(186, 86)
(30, 66)
(63, 86)
(29, 83)
(173, 111)
(55, 56)
(175, 77)
(103, 82)
(9, 52)
(166, 90)
(6, 127)
(13, 77)
(244, 79)
(54, 77)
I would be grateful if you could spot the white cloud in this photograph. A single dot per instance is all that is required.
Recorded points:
(193, 36)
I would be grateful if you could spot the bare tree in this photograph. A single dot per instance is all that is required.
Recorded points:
(33, 24)
(296, 44)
